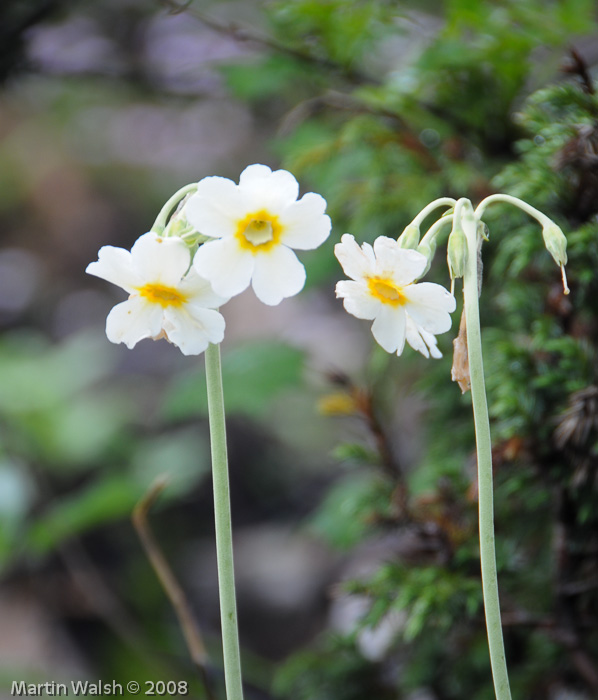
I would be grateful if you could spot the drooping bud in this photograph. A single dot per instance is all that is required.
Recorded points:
(556, 245)
(457, 250)
(410, 237)
(555, 242)
(427, 248)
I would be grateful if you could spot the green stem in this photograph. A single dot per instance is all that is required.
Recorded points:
(162, 218)
(484, 455)
(430, 235)
(222, 516)
(437, 203)
(507, 199)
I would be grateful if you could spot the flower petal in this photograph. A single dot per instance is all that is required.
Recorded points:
(357, 299)
(389, 328)
(225, 265)
(402, 265)
(192, 327)
(278, 274)
(268, 190)
(115, 265)
(432, 343)
(431, 294)
(160, 260)
(305, 226)
(430, 305)
(132, 321)
(421, 340)
(199, 291)
(356, 262)
(414, 338)
(216, 206)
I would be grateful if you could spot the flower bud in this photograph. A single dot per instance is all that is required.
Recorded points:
(555, 242)
(177, 227)
(427, 248)
(410, 237)
(457, 251)
(556, 245)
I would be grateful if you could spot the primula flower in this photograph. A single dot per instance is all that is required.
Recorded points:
(256, 224)
(165, 300)
(383, 289)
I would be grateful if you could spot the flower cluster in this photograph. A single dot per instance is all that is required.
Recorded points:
(249, 232)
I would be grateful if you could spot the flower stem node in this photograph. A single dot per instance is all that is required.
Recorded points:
(252, 230)
(178, 227)
(382, 289)
(409, 239)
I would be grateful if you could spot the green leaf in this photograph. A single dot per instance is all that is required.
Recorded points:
(182, 458)
(35, 376)
(105, 500)
(345, 516)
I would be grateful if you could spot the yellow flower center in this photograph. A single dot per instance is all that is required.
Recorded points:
(258, 232)
(164, 296)
(386, 291)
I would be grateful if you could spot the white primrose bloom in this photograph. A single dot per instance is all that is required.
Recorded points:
(167, 299)
(383, 289)
(255, 225)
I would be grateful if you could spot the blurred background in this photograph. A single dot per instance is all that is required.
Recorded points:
(353, 473)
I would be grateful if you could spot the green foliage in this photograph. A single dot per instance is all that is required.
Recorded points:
(268, 76)
(391, 132)
(104, 501)
(334, 670)
(253, 374)
(61, 415)
(351, 509)
(380, 106)
(434, 598)
(46, 402)
(338, 32)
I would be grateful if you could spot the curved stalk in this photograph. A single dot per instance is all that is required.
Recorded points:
(222, 517)
(542, 219)
(484, 457)
(436, 204)
(430, 235)
(162, 218)
(558, 252)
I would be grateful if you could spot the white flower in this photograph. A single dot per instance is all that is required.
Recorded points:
(255, 225)
(165, 300)
(383, 289)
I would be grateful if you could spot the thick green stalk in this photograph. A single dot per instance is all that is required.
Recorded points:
(222, 516)
(484, 455)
